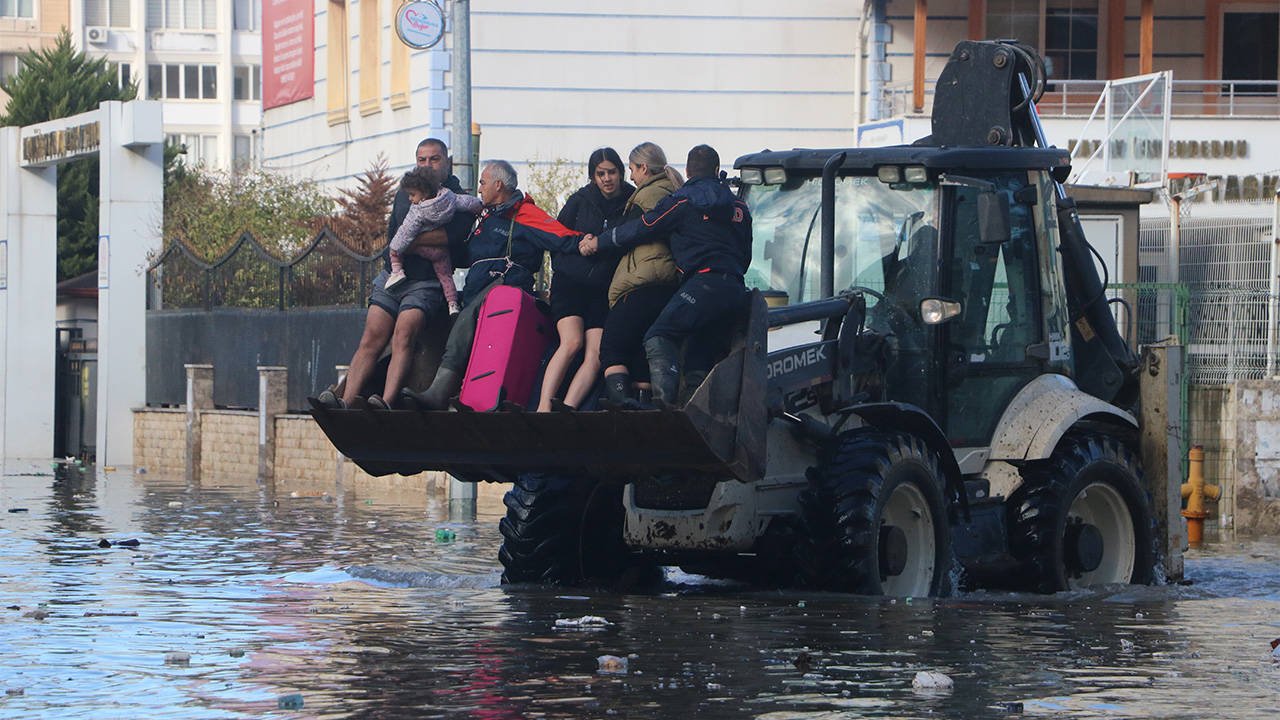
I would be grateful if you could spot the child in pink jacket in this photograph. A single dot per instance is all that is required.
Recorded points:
(431, 206)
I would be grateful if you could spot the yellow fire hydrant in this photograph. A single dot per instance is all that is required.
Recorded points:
(1194, 491)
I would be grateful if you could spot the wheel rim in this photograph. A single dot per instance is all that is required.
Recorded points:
(907, 510)
(1103, 507)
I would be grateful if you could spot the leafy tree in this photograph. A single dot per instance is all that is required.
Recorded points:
(363, 212)
(210, 209)
(551, 183)
(58, 82)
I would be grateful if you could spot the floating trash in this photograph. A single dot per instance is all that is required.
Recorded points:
(611, 665)
(586, 621)
(929, 680)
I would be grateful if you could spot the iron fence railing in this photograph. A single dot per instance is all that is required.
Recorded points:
(1073, 98)
(325, 273)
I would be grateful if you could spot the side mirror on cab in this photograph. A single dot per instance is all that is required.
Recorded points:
(993, 217)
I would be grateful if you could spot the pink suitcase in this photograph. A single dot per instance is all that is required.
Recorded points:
(511, 336)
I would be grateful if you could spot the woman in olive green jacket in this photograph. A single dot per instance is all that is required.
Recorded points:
(645, 280)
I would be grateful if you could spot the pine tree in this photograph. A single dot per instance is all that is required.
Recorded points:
(58, 82)
(361, 222)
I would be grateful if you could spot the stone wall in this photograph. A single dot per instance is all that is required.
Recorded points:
(229, 445)
(1257, 457)
(160, 440)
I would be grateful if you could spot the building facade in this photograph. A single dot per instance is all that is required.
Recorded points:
(559, 79)
(201, 57)
(26, 24)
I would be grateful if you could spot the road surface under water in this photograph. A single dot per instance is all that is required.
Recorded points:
(238, 602)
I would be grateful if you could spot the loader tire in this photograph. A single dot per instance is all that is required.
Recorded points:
(1082, 518)
(563, 530)
(876, 519)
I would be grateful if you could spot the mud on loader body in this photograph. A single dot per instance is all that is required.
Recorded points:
(937, 378)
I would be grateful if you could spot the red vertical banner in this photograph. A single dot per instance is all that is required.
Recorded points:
(288, 52)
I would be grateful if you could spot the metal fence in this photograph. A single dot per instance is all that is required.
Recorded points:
(325, 273)
(1233, 310)
(250, 308)
(1076, 98)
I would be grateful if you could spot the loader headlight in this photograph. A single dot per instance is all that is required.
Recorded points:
(935, 311)
(751, 176)
(916, 174)
(775, 176)
(889, 174)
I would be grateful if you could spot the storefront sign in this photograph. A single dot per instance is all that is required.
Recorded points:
(1215, 149)
(420, 25)
(47, 146)
(288, 52)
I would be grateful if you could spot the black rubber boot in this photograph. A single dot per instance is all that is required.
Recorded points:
(446, 384)
(618, 388)
(692, 381)
(664, 369)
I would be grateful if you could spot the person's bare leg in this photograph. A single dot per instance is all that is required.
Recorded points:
(587, 373)
(377, 331)
(406, 332)
(570, 331)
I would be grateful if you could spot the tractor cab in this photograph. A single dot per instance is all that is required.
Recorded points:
(953, 253)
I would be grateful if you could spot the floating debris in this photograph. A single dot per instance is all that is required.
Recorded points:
(289, 702)
(36, 614)
(611, 665)
(177, 658)
(586, 621)
(929, 680)
(17, 510)
(445, 535)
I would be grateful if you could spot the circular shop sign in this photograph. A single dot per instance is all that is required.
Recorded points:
(420, 24)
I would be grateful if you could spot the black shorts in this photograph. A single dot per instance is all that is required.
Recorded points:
(424, 295)
(569, 299)
(629, 320)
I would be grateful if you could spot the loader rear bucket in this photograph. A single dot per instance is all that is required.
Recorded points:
(719, 432)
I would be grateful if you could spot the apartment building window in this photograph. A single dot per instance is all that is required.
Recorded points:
(182, 14)
(17, 8)
(111, 13)
(1015, 20)
(337, 70)
(242, 152)
(1066, 32)
(182, 82)
(247, 15)
(196, 149)
(1250, 52)
(124, 74)
(246, 82)
(1071, 39)
(10, 65)
(370, 58)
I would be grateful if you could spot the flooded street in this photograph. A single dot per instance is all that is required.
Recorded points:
(236, 602)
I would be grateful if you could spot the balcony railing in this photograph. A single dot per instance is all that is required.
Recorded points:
(1076, 98)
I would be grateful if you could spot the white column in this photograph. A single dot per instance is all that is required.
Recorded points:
(28, 284)
(130, 203)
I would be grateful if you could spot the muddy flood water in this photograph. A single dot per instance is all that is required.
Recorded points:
(239, 602)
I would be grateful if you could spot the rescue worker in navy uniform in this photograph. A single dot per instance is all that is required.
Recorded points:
(710, 237)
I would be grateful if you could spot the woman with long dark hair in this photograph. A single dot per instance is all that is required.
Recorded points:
(579, 285)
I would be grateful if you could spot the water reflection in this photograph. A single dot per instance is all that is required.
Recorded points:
(349, 602)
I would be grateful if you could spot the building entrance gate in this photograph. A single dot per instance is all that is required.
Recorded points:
(128, 139)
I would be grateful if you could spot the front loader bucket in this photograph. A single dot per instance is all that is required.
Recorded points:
(720, 431)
